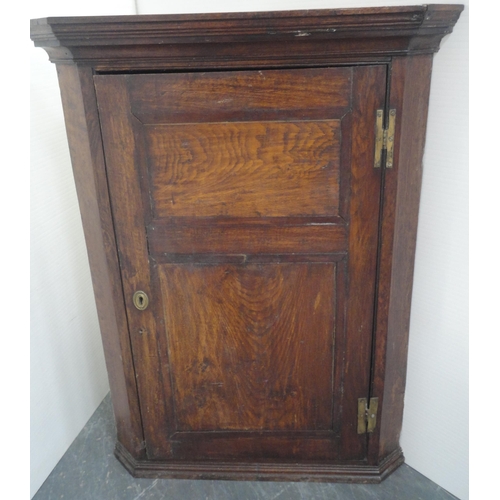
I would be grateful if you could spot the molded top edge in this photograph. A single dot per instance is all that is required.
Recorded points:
(52, 28)
(208, 16)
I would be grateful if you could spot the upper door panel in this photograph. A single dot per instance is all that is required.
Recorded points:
(245, 144)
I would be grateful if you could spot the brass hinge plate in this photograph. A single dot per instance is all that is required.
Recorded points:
(384, 138)
(367, 415)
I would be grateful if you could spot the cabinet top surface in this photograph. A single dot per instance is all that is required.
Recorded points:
(383, 30)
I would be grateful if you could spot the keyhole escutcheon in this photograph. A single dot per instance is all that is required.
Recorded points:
(140, 300)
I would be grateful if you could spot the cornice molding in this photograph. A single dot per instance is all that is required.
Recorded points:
(126, 40)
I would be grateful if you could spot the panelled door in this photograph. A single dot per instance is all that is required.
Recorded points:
(246, 208)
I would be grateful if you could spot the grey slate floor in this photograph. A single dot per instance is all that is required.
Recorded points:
(89, 471)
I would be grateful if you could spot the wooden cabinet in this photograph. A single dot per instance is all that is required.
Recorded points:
(249, 188)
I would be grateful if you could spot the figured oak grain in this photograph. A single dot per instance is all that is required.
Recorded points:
(268, 169)
(251, 346)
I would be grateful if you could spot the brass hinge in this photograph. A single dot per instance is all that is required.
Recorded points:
(384, 138)
(367, 415)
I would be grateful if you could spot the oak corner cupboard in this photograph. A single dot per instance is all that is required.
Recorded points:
(249, 188)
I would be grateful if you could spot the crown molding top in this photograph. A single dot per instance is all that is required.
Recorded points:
(109, 41)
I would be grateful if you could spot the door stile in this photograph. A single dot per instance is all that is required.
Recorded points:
(127, 209)
(374, 390)
(141, 160)
(369, 90)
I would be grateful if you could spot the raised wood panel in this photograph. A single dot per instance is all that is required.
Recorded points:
(251, 346)
(268, 169)
(240, 96)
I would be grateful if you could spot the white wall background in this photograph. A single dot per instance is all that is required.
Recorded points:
(68, 378)
(437, 381)
(68, 375)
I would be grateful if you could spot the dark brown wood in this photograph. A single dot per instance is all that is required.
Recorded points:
(126, 203)
(369, 91)
(242, 96)
(204, 308)
(199, 237)
(263, 471)
(239, 193)
(85, 144)
(255, 346)
(410, 86)
(303, 38)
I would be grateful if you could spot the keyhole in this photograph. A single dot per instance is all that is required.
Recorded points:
(140, 300)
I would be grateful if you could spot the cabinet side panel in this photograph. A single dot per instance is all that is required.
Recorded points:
(410, 85)
(82, 126)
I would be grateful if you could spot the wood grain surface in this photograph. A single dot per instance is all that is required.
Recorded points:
(369, 87)
(240, 96)
(126, 204)
(410, 94)
(232, 347)
(87, 157)
(251, 346)
(268, 169)
(244, 237)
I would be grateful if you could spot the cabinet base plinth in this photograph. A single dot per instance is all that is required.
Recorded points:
(308, 472)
